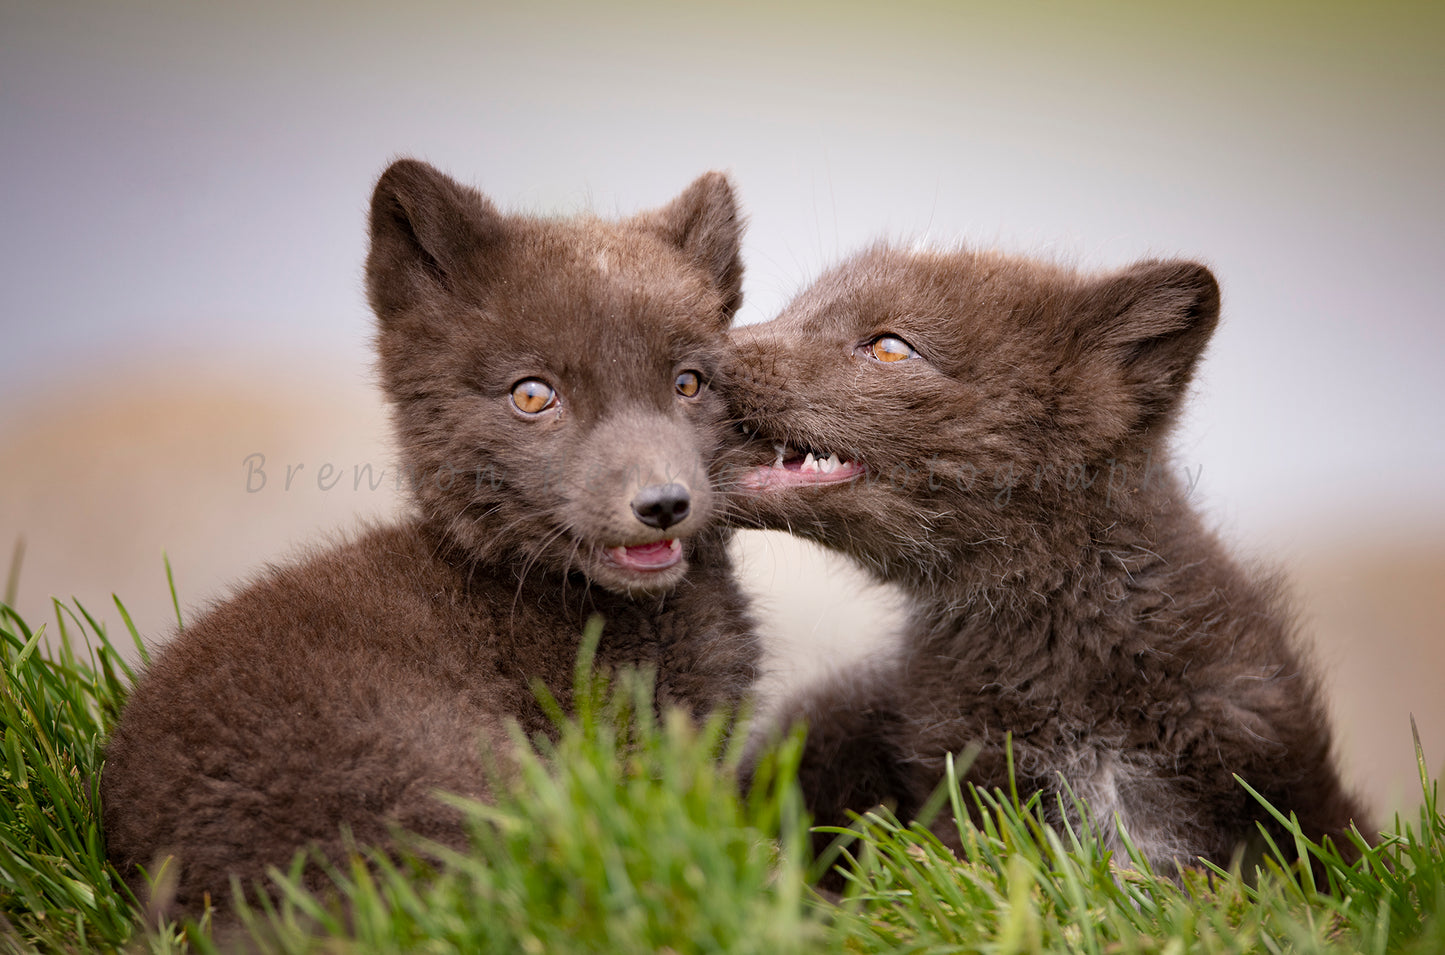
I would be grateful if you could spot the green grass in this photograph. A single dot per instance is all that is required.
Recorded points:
(626, 834)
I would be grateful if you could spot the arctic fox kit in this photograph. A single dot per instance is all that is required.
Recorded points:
(549, 381)
(989, 433)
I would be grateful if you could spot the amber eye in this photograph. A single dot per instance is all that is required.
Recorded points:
(533, 396)
(688, 383)
(890, 348)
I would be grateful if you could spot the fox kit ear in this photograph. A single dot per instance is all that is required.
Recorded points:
(426, 229)
(1154, 319)
(704, 223)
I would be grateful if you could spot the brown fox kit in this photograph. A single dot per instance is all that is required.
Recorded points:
(989, 434)
(550, 388)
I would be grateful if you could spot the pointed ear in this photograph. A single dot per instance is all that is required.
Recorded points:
(704, 223)
(1152, 321)
(426, 229)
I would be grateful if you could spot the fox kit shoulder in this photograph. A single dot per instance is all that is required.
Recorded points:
(550, 388)
(989, 433)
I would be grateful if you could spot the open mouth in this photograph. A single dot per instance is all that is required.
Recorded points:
(646, 558)
(793, 467)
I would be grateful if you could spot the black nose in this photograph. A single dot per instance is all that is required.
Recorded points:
(661, 505)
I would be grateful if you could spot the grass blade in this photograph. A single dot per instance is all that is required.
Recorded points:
(12, 579)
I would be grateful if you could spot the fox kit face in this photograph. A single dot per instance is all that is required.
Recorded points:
(912, 402)
(552, 379)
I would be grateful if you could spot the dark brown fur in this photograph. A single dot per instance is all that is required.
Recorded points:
(1061, 588)
(341, 691)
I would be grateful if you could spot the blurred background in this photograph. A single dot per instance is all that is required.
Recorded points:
(182, 216)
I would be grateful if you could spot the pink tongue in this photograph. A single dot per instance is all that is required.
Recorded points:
(654, 550)
(654, 556)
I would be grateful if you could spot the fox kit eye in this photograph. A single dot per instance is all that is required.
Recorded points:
(533, 396)
(688, 383)
(889, 348)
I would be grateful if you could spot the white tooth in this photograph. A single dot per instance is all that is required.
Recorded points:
(809, 464)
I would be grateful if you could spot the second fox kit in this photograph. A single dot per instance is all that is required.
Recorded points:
(550, 388)
(989, 433)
